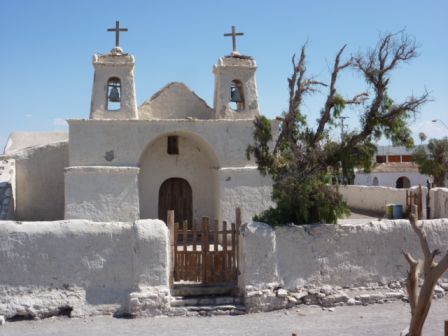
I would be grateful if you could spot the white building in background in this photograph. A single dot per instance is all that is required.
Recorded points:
(394, 168)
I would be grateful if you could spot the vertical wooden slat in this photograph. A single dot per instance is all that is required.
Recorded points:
(224, 248)
(205, 247)
(184, 241)
(176, 252)
(233, 255)
(215, 254)
(185, 248)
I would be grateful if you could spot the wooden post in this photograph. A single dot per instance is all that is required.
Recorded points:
(446, 328)
(238, 226)
(420, 202)
(173, 244)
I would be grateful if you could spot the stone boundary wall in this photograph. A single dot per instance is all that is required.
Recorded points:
(292, 259)
(374, 199)
(80, 268)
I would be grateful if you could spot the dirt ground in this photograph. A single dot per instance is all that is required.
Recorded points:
(372, 320)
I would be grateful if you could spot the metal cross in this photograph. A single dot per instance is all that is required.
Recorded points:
(234, 34)
(117, 31)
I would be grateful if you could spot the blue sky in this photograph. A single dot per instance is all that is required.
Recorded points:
(47, 48)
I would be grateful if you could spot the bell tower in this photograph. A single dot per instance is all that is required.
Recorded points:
(113, 94)
(236, 95)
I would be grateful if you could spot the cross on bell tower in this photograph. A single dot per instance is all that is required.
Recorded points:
(234, 34)
(117, 31)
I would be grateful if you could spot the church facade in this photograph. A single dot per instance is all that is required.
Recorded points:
(173, 152)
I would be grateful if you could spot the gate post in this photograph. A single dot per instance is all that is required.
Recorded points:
(170, 224)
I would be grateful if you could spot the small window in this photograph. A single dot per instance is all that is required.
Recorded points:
(113, 94)
(173, 145)
(406, 158)
(380, 158)
(236, 96)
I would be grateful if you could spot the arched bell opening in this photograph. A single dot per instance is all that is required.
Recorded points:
(236, 95)
(113, 98)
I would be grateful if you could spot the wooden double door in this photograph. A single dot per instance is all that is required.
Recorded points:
(176, 194)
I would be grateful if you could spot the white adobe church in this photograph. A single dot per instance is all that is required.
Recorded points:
(127, 162)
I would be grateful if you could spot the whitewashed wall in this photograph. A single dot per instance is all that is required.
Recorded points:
(193, 163)
(89, 267)
(439, 202)
(39, 182)
(343, 255)
(102, 193)
(370, 198)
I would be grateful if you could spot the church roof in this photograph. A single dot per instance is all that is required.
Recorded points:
(175, 101)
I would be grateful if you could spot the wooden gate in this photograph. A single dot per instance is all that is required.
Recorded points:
(206, 252)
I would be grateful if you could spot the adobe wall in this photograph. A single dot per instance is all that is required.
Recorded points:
(86, 267)
(39, 189)
(128, 139)
(294, 258)
(193, 164)
(102, 193)
(243, 188)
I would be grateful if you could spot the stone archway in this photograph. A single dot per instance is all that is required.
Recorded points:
(179, 155)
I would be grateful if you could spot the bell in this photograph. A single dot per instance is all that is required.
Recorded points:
(114, 95)
(235, 95)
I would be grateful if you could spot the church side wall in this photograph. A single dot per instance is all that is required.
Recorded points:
(39, 191)
(91, 268)
(102, 193)
(243, 188)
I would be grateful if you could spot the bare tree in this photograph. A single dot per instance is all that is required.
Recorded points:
(302, 157)
(420, 299)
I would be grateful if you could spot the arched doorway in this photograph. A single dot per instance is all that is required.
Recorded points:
(176, 194)
(375, 181)
(179, 155)
(403, 182)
